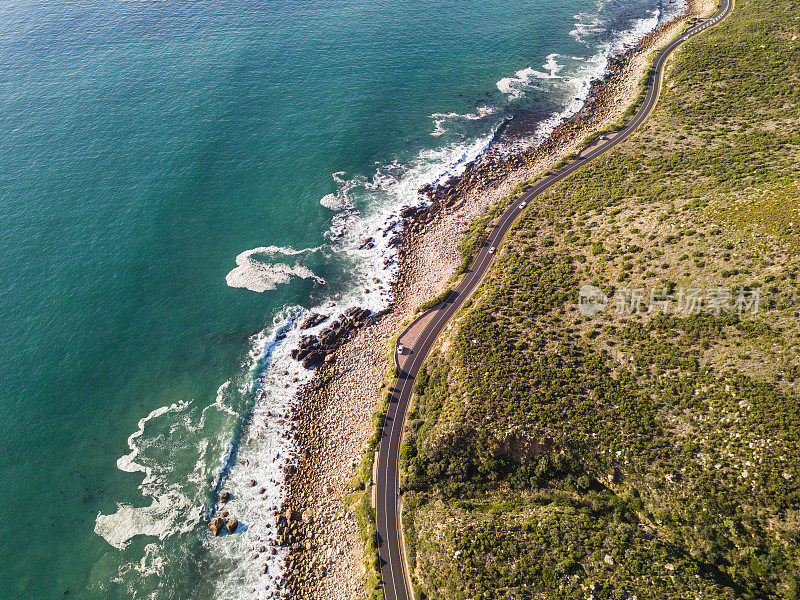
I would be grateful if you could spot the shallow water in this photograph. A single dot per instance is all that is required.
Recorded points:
(177, 180)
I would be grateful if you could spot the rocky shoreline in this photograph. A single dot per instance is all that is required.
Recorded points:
(326, 559)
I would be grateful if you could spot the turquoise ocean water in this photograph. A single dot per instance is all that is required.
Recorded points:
(178, 180)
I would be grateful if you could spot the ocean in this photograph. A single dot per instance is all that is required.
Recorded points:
(180, 183)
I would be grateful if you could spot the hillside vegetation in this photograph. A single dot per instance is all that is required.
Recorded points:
(630, 453)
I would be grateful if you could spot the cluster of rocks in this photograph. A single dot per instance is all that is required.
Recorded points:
(217, 524)
(317, 349)
(367, 244)
(294, 533)
(221, 521)
(313, 320)
(324, 557)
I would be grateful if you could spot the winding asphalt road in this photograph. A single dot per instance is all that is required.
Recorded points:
(393, 561)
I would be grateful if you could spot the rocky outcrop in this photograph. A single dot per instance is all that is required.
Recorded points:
(232, 526)
(313, 350)
(313, 320)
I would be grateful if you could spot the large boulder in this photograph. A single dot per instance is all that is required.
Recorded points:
(232, 526)
(215, 526)
(314, 359)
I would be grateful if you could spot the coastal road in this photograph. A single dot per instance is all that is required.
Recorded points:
(394, 573)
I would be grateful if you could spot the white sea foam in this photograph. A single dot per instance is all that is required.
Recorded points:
(392, 186)
(171, 510)
(152, 562)
(515, 87)
(439, 119)
(261, 455)
(340, 199)
(164, 517)
(176, 501)
(128, 462)
(219, 401)
(258, 276)
(585, 24)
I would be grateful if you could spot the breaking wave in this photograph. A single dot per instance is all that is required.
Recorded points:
(609, 33)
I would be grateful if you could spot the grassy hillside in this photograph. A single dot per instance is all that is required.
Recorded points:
(651, 455)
